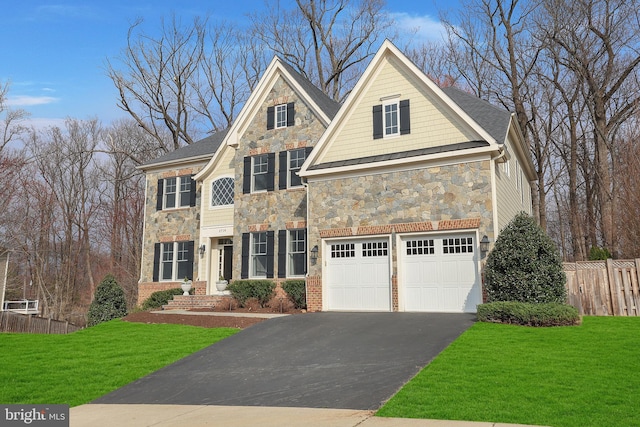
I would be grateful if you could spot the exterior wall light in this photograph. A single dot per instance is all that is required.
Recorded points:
(484, 244)
(202, 249)
(314, 254)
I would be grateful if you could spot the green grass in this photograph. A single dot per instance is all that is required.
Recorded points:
(77, 368)
(580, 376)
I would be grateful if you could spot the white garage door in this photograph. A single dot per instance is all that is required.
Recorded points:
(358, 275)
(440, 273)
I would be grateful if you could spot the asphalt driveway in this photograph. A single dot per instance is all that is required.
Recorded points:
(316, 360)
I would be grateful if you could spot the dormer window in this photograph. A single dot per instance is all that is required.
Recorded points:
(281, 116)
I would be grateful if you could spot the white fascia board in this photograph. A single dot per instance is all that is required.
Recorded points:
(175, 164)
(417, 162)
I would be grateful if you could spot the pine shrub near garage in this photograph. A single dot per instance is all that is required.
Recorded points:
(243, 290)
(297, 292)
(109, 302)
(525, 265)
(160, 298)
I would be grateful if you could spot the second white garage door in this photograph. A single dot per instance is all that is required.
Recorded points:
(440, 273)
(358, 275)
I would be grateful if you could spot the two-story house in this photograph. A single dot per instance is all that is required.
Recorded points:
(380, 204)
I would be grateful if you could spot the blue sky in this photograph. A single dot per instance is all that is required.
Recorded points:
(54, 52)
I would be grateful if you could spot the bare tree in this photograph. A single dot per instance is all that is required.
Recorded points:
(600, 44)
(494, 47)
(10, 125)
(189, 80)
(327, 41)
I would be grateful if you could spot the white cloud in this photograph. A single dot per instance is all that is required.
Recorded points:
(43, 123)
(27, 101)
(420, 27)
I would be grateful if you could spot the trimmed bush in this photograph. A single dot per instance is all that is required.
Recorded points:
(242, 290)
(108, 303)
(160, 298)
(527, 314)
(297, 292)
(525, 265)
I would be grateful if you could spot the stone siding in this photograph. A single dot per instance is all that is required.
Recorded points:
(278, 209)
(412, 200)
(170, 225)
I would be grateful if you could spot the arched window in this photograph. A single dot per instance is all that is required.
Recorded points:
(222, 192)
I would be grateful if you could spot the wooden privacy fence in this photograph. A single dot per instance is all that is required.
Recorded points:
(604, 288)
(22, 323)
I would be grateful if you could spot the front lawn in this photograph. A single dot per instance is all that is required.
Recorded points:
(576, 376)
(80, 367)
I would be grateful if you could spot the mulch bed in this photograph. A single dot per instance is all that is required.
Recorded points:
(193, 320)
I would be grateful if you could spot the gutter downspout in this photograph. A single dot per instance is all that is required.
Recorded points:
(494, 195)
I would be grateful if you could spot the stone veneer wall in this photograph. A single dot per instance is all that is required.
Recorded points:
(444, 197)
(182, 224)
(278, 209)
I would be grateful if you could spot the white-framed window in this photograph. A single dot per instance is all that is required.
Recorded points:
(258, 254)
(222, 192)
(296, 159)
(259, 171)
(296, 253)
(391, 119)
(177, 192)
(281, 116)
(175, 262)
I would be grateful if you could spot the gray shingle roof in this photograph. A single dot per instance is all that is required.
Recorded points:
(492, 119)
(400, 155)
(202, 148)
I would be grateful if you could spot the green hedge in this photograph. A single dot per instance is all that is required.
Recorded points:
(528, 314)
(160, 298)
(242, 290)
(297, 292)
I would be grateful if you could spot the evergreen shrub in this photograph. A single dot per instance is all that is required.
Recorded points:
(108, 303)
(525, 265)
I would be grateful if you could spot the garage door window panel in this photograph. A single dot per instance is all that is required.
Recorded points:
(371, 249)
(343, 250)
(458, 245)
(420, 247)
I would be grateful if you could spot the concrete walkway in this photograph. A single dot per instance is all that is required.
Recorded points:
(98, 415)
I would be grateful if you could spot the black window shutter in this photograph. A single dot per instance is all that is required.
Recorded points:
(377, 121)
(282, 253)
(192, 196)
(306, 241)
(156, 262)
(271, 169)
(160, 194)
(270, 117)
(282, 170)
(307, 151)
(270, 246)
(405, 117)
(190, 252)
(244, 268)
(246, 178)
(291, 115)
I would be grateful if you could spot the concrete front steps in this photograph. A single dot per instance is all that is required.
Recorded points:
(187, 302)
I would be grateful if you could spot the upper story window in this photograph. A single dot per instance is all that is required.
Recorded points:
(290, 163)
(259, 173)
(259, 170)
(391, 119)
(222, 192)
(176, 192)
(281, 116)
